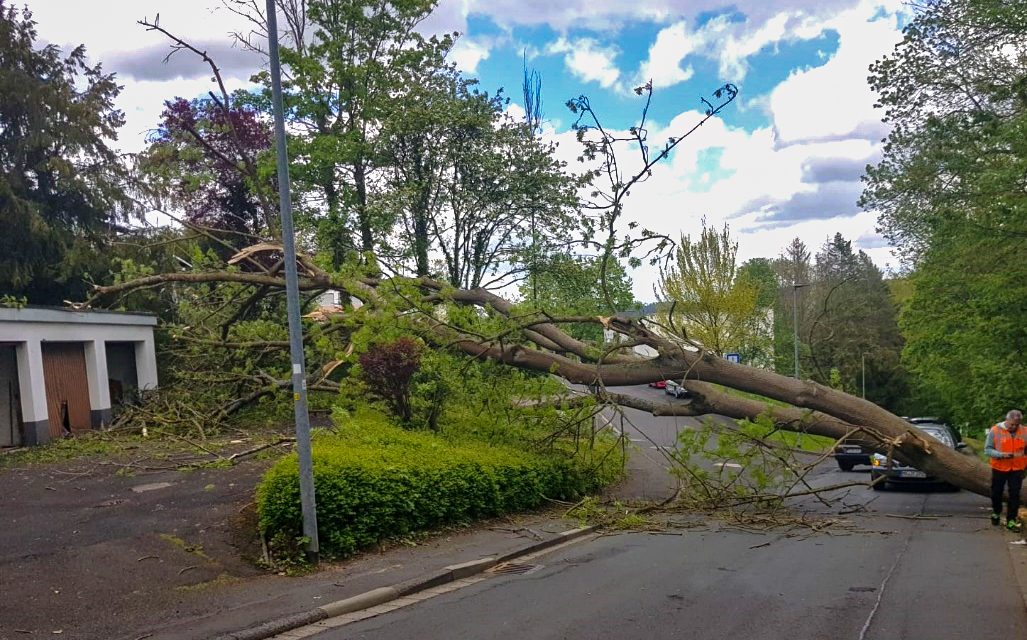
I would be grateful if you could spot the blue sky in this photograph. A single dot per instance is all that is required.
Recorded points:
(783, 161)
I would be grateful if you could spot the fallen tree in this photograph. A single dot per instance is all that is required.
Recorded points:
(536, 342)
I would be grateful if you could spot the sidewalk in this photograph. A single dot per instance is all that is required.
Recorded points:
(87, 552)
(238, 611)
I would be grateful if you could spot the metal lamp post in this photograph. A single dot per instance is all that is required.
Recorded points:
(863, 369)
(299, 378)
(795, 323)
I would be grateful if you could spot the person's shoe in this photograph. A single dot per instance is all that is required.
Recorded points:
(996, 519)
(1014, 525)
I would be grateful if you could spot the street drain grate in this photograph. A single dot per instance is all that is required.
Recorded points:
(515, 568)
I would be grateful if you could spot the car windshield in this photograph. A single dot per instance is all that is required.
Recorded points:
(937, 431)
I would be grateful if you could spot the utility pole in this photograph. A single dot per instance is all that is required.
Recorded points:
(795, 324)
(863, 367)
(292, 293)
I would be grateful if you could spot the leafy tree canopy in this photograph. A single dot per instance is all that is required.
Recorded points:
(61, 185)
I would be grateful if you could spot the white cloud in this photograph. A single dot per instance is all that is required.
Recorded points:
(588, 60)
(609, 14)
(834, 100)
(799, 176)
(468, 54)
(727, 41)
(669, 49)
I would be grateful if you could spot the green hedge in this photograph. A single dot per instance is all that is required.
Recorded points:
(375, 481)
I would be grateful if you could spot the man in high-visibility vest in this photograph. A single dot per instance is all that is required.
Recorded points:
(1005, 447)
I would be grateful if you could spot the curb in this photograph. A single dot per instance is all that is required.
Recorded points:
(382, 595)
(1016, 558)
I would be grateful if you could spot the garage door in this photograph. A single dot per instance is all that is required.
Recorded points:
(10, 414)
(67, 389)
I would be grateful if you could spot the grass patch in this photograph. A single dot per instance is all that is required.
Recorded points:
(82, 445)
(804, 441)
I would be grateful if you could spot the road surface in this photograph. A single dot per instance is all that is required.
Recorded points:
(905, 565)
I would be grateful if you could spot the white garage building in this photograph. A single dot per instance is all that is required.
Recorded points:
(63, 370)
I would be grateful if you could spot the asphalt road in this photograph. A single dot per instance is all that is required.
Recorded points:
(908, 565)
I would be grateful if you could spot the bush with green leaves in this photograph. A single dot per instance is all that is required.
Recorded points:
(375, 480)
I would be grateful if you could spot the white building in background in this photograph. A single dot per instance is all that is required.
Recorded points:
(63, 370)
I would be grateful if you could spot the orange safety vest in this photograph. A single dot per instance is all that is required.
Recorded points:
(1007, 442)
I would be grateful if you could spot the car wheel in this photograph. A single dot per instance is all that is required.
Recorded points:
(878, 486)
(846, 466)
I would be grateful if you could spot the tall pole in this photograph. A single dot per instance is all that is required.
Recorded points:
(795, 326)
(863, 367)
(292, 292)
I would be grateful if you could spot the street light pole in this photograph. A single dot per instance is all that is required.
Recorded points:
(299, 377)
(863, 367)
(795, 324)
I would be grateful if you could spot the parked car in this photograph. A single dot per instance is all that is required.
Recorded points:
(958, 439)
(849, 455)
(659, 384)
(672, 388)
(883, 473)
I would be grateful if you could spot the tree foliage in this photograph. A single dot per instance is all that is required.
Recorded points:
(853, 322)
(193, 161)
(567, 284)
(707, 301)
(951, 193)
(388, 370)
(62, 187)
(954, 92)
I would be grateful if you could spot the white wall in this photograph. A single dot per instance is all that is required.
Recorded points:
(29, 328)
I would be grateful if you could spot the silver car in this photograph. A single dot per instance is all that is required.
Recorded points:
(675, 389)
(882, 473)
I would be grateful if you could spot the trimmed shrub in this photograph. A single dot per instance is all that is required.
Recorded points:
(375, 481)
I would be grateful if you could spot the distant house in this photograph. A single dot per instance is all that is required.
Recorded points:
(63, 370)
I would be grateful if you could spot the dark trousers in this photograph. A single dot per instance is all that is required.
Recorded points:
(999, 479)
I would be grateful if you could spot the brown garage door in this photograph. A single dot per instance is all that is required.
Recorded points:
(67, 391)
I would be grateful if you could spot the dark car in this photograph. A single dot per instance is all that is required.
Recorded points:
(883, 472)
(849, 455)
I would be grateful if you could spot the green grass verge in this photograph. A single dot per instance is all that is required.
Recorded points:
(804, 441)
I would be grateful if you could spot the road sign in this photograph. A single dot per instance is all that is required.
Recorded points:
(733, 357)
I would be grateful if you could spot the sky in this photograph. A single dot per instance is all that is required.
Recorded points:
(783, 161)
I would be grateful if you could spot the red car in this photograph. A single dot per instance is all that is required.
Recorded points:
(659, 384)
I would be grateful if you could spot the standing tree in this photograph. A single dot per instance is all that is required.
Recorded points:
(950, 189)
(706, 301)
(760, 273)
(345, 82)
(795, 272)
(853, 321)
(474, 187)
(62, 188)
(193, 160)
